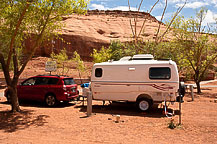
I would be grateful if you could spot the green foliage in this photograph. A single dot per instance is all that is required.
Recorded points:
(79, 62)
(102, 55)
(36, 20)
(171, 124)
(61, 59)
(41, 20)
(196, 50)
(116, 50)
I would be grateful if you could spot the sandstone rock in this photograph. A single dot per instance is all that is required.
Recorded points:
(83, 33)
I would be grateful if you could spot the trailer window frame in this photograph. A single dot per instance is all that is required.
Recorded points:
(98, 72)
(164, 73)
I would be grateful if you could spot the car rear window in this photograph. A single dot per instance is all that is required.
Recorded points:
(52, 81)
(68, 81)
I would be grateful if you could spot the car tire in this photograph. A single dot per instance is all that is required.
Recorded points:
(144, 104)
(50, 100)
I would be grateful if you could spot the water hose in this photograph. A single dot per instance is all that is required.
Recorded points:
(169, 115)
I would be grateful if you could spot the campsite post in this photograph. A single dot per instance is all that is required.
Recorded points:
(180, 109)
(89, 103)
(192, 92)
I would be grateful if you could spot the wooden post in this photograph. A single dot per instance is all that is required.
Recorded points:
(192, 92)
(89, 103)
(180, 110)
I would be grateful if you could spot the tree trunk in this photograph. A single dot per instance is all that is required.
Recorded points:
(14, 99)
(198, 87)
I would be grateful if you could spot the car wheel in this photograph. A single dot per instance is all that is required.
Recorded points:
(50, 100)
(144, 104)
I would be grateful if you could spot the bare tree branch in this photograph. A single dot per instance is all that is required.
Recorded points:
(140, 5)
(143, 24)
(176, 14)
(131, 26)
(158, 30)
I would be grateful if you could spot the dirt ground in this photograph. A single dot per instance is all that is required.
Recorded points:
(70, 124)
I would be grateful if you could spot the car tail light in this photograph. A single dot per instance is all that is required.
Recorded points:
(64, 88)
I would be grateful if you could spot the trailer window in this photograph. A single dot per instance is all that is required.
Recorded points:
(160, 73)
(98, 72)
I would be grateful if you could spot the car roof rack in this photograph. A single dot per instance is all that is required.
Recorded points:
(53, 75)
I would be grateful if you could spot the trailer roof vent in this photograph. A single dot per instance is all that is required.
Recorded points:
(142, 57)
(126, 58)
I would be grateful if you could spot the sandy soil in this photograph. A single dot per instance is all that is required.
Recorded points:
(69, 123)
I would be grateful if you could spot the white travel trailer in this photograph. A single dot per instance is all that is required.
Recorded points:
(139, 79)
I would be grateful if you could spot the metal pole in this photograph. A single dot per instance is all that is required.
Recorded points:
(89, 104)
(192, 92)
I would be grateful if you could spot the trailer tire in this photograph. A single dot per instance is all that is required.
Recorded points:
(144, 104)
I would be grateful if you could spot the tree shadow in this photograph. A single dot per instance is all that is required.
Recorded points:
(128, 109)
(43, 105)
(27, 103)
(11, 122)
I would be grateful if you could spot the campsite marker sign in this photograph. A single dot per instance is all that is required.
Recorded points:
(50, 66)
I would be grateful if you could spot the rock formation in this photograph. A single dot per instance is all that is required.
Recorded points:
(83, 33)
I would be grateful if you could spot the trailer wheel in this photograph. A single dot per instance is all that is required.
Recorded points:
(144, 104)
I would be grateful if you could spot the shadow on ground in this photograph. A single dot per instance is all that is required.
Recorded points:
(41, 104)
(127, 109)
(11, 122)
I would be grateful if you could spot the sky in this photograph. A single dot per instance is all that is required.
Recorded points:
(189, 10)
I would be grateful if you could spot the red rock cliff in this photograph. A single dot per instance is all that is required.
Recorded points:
(83, 33)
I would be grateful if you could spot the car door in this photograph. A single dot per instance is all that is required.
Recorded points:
(24, 90)
(40, 88)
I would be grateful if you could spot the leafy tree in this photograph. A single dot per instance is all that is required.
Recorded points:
(61, 59)
(79, 64)
(196, 48)
(24, 19)
(117, 50)
(101, 55)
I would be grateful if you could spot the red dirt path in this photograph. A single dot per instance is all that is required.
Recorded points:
(69, 124)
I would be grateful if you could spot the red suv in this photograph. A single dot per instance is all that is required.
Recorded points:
(50, 89)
